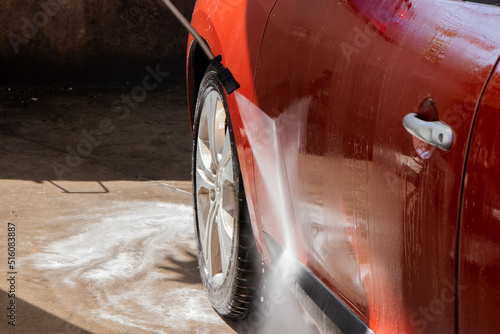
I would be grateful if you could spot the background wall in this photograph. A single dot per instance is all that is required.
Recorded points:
(91, 40)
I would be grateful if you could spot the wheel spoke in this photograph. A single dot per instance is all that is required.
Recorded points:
(225, 229)
(216, 118)
(211, 111)
(205, 242)
(211, 243)
(220, 127)
(226, 164)
(204, 176)
(204, 157)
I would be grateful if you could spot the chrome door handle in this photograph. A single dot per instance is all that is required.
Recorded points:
(435, 133)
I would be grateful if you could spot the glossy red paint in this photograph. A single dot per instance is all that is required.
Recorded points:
(328, 168)
(371, 218)
(479, 255)
(234, 29)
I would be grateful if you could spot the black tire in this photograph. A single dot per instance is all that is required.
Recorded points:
(232, 294)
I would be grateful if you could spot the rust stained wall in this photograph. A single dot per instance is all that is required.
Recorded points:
(92, 39)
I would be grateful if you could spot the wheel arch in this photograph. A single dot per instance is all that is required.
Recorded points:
(197, 64)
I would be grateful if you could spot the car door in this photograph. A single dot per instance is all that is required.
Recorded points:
(370, 209)
(479, 247)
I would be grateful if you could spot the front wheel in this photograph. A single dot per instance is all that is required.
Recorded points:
(228, 260)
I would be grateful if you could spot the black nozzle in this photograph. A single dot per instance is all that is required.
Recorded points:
(224, 75)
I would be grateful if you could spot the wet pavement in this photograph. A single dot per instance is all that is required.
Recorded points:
(97, 196)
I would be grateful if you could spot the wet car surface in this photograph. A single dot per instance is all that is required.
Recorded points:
(388, 218)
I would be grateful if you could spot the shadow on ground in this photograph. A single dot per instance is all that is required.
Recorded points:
(35, 320)
(61, 133)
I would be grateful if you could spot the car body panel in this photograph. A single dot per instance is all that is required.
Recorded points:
(479, 255)
(373, 217)
(328, 168)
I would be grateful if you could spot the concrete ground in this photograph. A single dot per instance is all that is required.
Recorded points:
(98, 201)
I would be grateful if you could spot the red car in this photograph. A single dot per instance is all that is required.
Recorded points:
(364, 143)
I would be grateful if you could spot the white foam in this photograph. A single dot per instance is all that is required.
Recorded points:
(118, 257)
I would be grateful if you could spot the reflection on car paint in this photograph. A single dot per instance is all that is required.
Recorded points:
(372, 213)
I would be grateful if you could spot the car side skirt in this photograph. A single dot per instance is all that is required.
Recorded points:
(327, 311)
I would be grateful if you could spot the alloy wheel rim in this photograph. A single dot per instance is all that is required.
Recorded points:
(215, 187)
